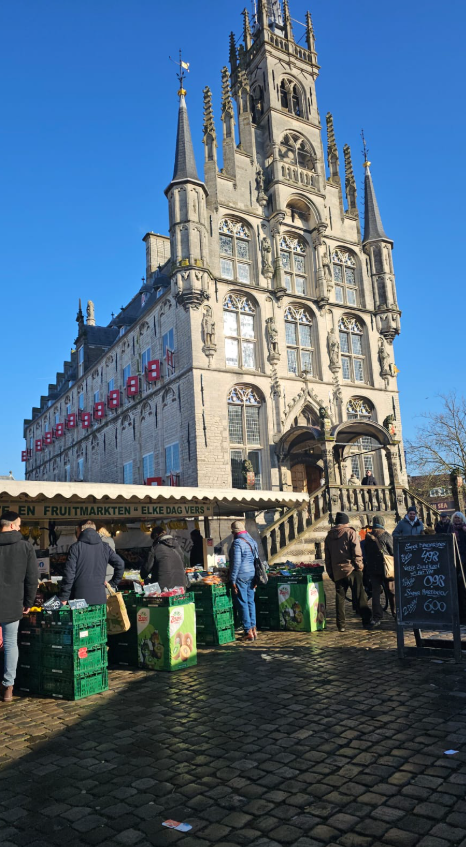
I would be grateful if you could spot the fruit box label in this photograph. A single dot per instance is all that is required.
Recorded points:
(301, 606)
(166, 636)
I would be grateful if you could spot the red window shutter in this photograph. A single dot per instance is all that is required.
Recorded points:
(24, 455)
(132, 386)
(86, 420)
(38, 445)
(114, 399)
(99, 410)
(153, 370)
(59, 430)
(71, 421)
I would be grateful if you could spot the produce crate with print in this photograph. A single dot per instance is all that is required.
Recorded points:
(56, 686)
(302, 605)
(77, 617)
(69, 638)
(267, 618)
(166, 637)
(173, 600)
(209, 638)
(81, 661)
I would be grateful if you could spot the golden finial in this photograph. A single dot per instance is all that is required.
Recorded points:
(183, 66)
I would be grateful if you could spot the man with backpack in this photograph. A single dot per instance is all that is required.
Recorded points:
(241, 556)
(379, 543)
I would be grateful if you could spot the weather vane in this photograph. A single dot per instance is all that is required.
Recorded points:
(183, 66)
(365, 151)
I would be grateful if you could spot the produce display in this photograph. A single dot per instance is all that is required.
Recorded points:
(167, 636)
(293, 599)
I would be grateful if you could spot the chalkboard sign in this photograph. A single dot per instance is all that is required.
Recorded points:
(426, 586)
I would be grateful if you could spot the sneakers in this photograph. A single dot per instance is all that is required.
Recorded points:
(7, 693)
(341, 628)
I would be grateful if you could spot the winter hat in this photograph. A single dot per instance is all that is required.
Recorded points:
(412, 509)
(341, 517)
(378, 522)
(238, 526)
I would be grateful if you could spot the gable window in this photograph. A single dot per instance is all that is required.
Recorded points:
(344, 277)
(235, 251)
(299, 342)
(111, 385)
(81, 401)
(291, 98)
(358, 408)
(168, 346)
(128, 473)
(67, 473)
(293, 260)
(352, 356)
(239, 329)
(96, 396)
(244, 433)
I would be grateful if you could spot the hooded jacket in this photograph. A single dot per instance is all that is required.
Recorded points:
(19, 576)
(405, 527)
(377, 543)
(165, 564)
(342, 552)
(84, 576)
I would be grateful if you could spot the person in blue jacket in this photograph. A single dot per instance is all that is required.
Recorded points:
(241, 556)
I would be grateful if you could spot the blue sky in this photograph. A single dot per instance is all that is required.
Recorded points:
(89, 111)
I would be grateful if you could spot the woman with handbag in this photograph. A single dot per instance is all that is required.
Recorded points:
(379, 566)
(242, 555)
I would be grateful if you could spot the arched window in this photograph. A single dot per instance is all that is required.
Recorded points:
(298, 159)
(257, 104)
(283, 95)
(291, 98)
(245, 434)
(239, 330)
(352, 356)
(235, 251)
(293, 258)
(299, 341)
(344, 277)
(296, 102)
(358, 408)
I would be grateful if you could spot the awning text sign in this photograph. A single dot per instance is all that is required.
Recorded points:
(111, 511)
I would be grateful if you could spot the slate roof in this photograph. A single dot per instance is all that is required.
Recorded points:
(373, 226)
(185, 163)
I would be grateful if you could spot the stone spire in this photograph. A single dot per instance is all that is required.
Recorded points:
(233, 54)
(247, 37)
(310, 36)
(350, 182)
(209, 125)
(373, 227)
(227, 103)
(185, 163)
(332, 152)
(287, 21)
(228, 120)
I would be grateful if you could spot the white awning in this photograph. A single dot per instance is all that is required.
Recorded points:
(221, 501)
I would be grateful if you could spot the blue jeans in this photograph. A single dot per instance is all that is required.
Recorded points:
(245, 602)
(10, 647)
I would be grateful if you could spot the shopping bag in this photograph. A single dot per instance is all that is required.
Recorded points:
(117, 615)
(388, 566)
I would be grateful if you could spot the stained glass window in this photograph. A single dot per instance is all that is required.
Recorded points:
(298, 334)
(239, 330)
(234, 241)
(351, 349)
(344, 277)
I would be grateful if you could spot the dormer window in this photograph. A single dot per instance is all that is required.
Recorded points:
(122, 330)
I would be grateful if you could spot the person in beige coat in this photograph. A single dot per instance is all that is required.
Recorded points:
(344, 565)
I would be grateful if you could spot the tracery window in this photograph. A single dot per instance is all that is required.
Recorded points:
(358, 408)
(291, 98)
(344, 277)
(299, 341)
(244, 431)
(293, 259)
(239, 330)
(235, 250)
(352, 355)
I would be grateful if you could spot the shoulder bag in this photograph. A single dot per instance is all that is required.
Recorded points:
(388, 560)
(261, 576)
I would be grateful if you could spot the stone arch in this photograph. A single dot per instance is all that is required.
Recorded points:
(168, 397)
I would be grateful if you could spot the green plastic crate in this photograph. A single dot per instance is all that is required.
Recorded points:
(27, 682)
(32, 619)
(71, 664)
(30, 640)
(74, 689)
(70, 638)
(175, 600)
(215, 638)
(77, 617)
(124, 640)
(217, 621)
(201, 588)
(214, 602)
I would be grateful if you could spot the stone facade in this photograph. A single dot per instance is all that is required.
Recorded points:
(272, 301)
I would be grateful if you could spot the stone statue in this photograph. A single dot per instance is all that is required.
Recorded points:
(324, 419)
(272, 337)
(326, 267)
(266, 253)
(90, 313)
(208, 328)
(333, 350)
(384, 359)
(389, 424)
(260, 180)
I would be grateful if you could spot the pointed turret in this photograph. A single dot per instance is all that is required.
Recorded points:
(350, 182)
(373, 227)
(332, 152)
(185, 163)
(233, 55)
(287, 21)
(310, 37)
(247, 37)
(228, 120)
(210, 136)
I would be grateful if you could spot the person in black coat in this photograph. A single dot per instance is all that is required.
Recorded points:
(377, 543)
(443, 525)
(165, 563)
(84, 576)
(369, 479)
(196, 554)
(19, 578)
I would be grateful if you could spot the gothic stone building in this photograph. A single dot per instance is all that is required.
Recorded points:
(263, 331)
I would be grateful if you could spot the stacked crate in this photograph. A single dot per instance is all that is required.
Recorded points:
(123, 648)
(214, 614)
(267, 613)
(29, 669)
(74, 652)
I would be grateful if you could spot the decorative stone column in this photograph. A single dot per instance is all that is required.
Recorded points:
(279, 280)
(321, 283)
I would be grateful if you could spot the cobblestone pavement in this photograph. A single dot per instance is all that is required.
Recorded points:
(297, 739)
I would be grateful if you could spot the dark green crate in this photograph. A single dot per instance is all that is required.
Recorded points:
(131, 598)
(175, 600)
(127, 639)
(71, 664)
(215, 602)
(32, 619)
(74, 689)
(123, 656)
(28, 683)
(216, 621)
(201, 588)
(216, 637)
(30, 640)
(70, 638)
(77, 617)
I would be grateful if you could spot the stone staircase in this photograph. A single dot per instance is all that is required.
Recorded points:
(298, 535)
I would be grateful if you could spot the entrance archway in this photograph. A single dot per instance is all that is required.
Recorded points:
(300, 457)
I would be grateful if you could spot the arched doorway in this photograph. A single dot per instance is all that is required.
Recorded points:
(300, 453)
(306, 477)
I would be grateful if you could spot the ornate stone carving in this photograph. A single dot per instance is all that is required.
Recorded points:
(384, 361)
(90, 313)
(190, 288)
(333, 351)
(271, 334)
(261, 195)
(208, 334)
(266, 255)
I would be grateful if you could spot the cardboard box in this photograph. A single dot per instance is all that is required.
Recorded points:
(302, 606)
(166, 637)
